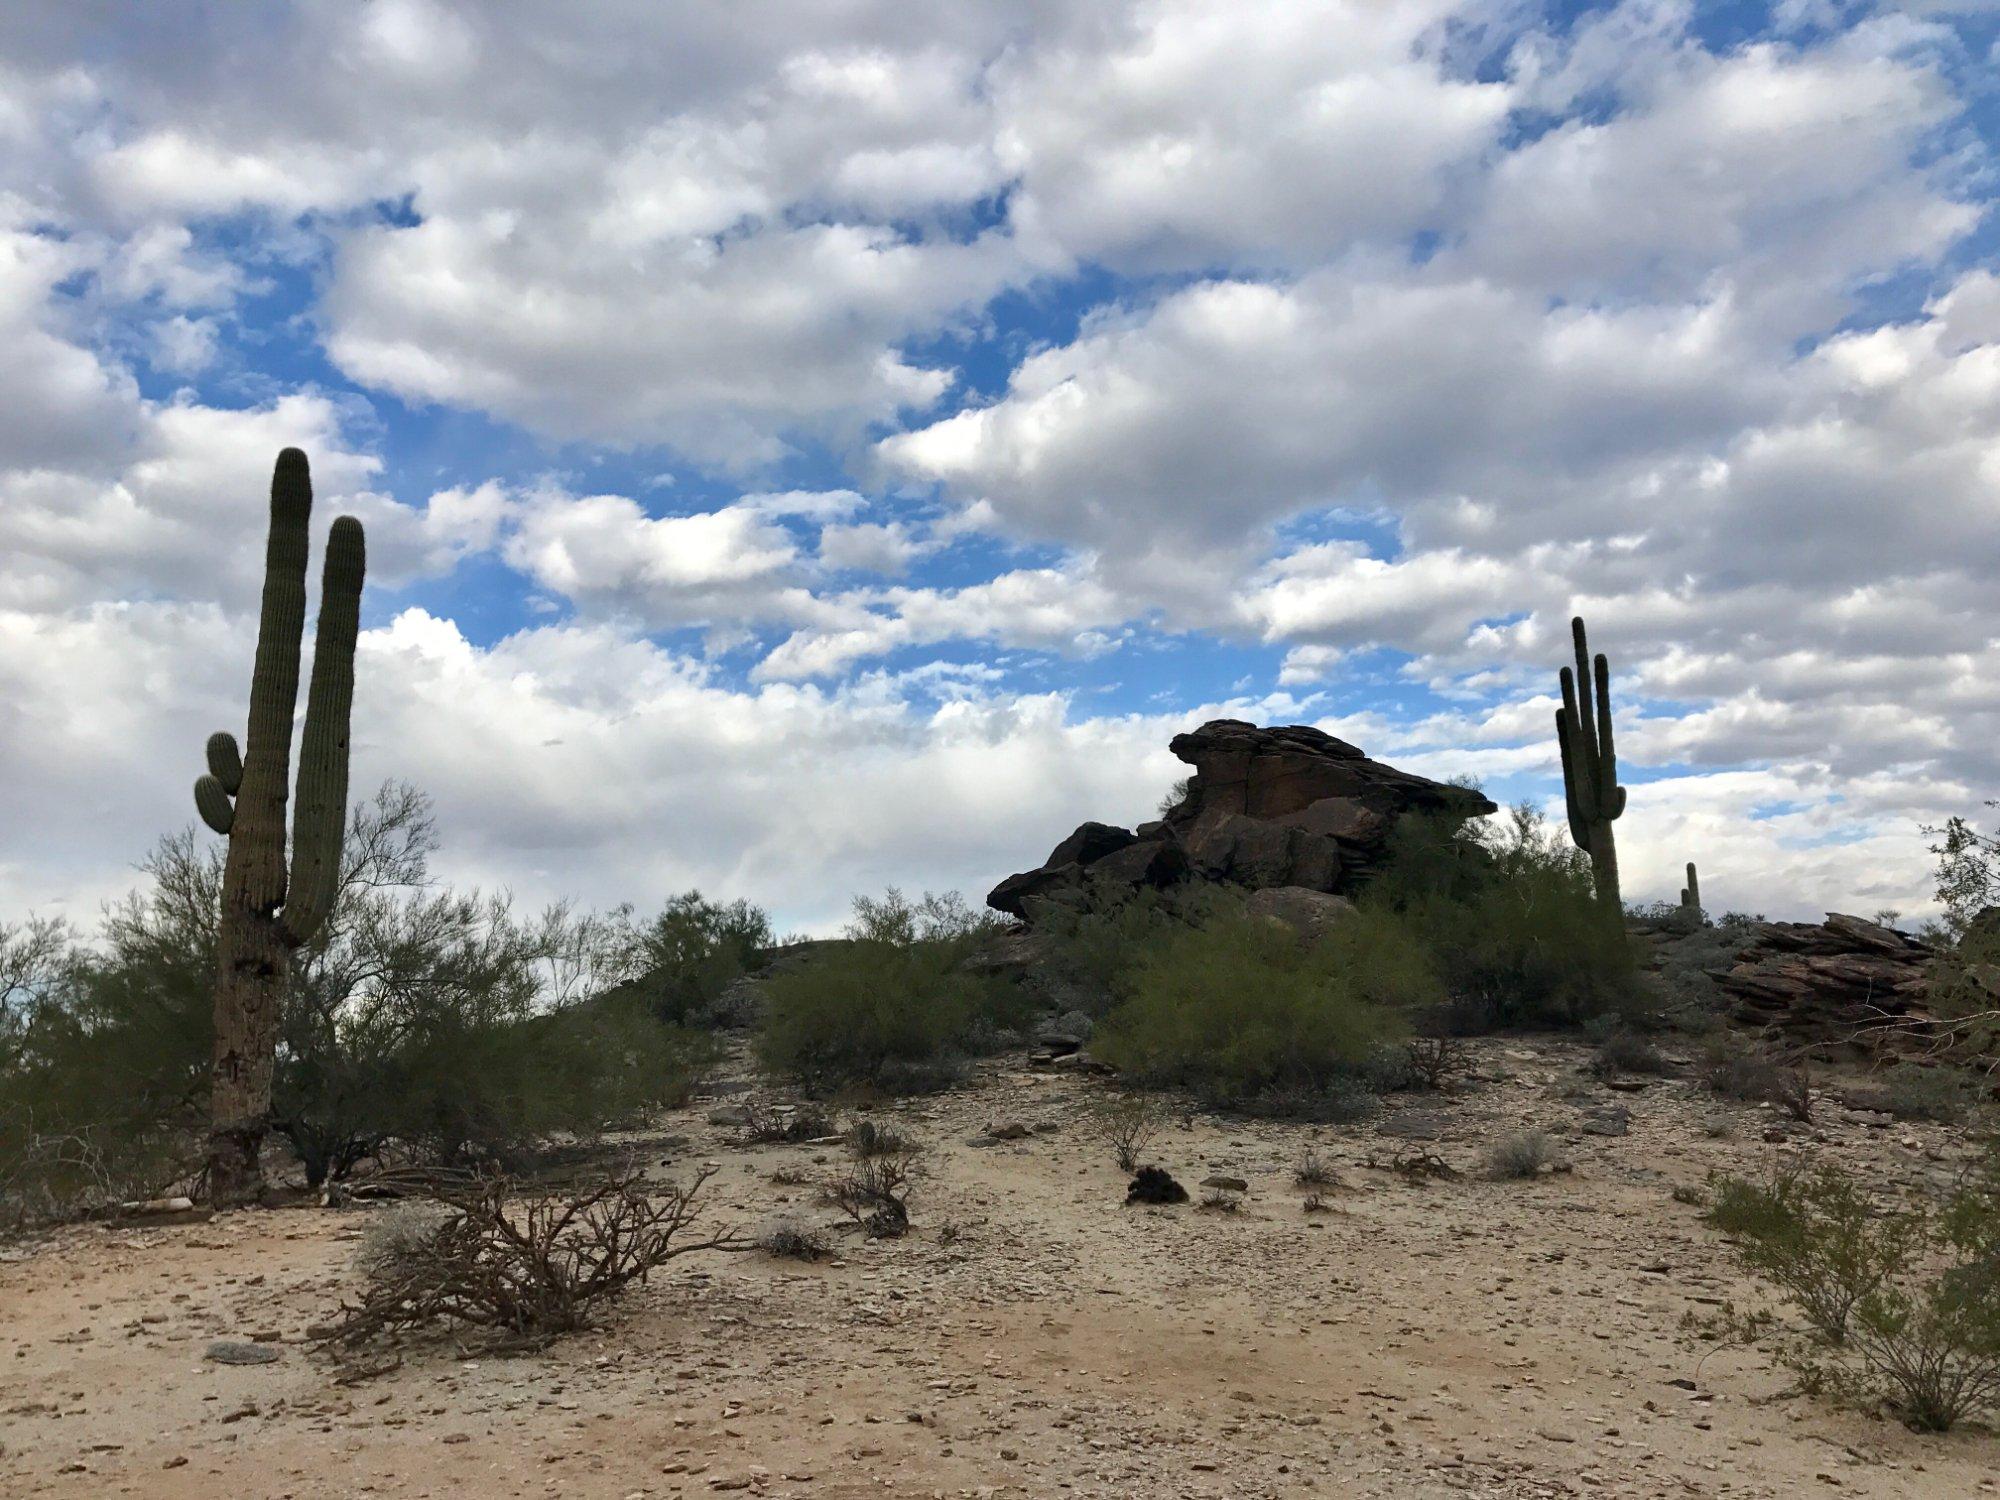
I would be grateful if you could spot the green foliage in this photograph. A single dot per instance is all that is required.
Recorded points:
(893, 1007)
(1095, 949)
(1510, 919)
(693, 951)
(1943, 1093)
(1237, 1008)
(439, 1020)
(104, 1051)
(1901, 1303)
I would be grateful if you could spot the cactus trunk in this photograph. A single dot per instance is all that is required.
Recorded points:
(244, 798)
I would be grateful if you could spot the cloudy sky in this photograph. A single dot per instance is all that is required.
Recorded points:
(827, 443)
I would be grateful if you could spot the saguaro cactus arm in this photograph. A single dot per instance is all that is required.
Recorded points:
(320, 817)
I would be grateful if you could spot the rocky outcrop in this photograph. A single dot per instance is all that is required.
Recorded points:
(1265, 808)
(1817, 984)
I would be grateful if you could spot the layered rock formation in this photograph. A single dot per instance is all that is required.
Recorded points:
(1842, 981)
(1265, 808)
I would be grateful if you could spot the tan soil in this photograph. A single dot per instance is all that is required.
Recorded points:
(1031, 1337)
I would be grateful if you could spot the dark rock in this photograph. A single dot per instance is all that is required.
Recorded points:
(1413, 1125)
(1611, 1119)
(1155, 1185)
(231, 1352)
(1266, 808)
(1226, 1184)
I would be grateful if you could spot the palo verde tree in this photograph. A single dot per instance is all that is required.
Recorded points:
(272, 904)
(1590, 764)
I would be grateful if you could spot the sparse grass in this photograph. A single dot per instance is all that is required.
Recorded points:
(1520, 1156)
(1221, 1200)
(1314, 1171)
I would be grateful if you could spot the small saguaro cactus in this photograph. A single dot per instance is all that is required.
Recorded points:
(268, 908)
(1590, 764)
(1691, 892)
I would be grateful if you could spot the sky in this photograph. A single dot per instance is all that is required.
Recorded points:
(828, 444)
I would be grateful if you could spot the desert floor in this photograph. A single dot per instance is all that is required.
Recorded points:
(1032, 1336)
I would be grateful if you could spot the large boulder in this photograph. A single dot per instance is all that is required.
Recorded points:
(1265, 808)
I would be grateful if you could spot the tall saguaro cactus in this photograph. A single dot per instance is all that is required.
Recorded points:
(1691, 892)
(268, 908)
(1590, 764)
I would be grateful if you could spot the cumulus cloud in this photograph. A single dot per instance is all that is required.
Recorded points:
(1357, 344)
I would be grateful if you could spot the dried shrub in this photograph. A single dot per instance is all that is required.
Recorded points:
(482, 1255)
(1519, 1157)
(875, 1193)
(1221, 1200)
(1432, 1062)
(1314, 1170)
(1734, 1068)
(1901, 1304)
(1129, 1126)
(763, 1125)
(793, 1239)
(869, 1138)
(1626, 1051)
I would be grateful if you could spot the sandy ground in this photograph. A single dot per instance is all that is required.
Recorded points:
(1032, 1336)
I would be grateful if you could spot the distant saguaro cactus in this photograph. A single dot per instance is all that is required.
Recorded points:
(1590, 764)
(1691, 892)
(269, 910)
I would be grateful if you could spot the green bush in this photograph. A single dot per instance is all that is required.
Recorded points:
(893, 1007)
(1095, 949)
(1901, 1304)
(1511, 920)
(437, 1020)
(693, 951)
(1942, 1093)
(1238, 1008)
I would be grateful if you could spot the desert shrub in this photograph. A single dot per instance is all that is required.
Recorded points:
(1519, 1156)
(893, 1007)
(1734, 1067)
(104, 1048)
(487, 1257)
(871, 1138)
(874, 1191)
(1313, 1170)
(1901, 1304)
(1130, 1125)
(1240, 1009)
(438, 1019)
(773, 1127)
(1941, 1093)
(1626, 1051)
(690, 954)
(794, 1239)
(1432, 1062)
(1511, 919)
(1096, 948)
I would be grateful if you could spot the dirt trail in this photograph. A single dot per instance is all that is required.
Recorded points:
(1032, 1336)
